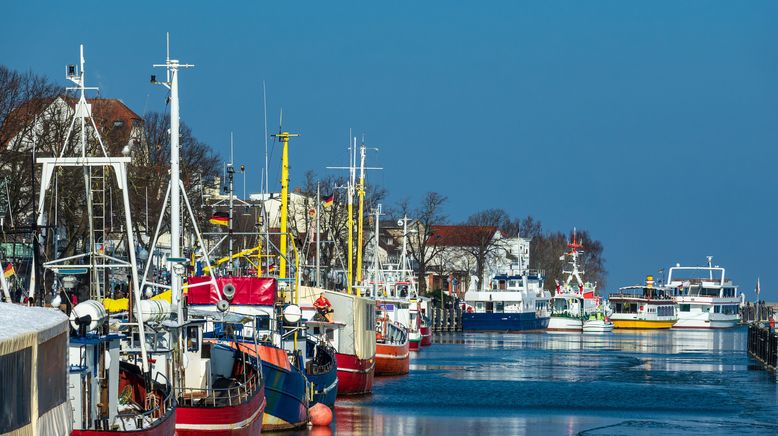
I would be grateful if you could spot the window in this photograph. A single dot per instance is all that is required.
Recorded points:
(191, 339)
(479, 305)
(499, 306)
(118, 123)
(684, 307)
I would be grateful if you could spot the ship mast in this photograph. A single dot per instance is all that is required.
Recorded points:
(284, 138)
(172, 66)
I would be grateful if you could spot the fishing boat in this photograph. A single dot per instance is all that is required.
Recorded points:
(512, 303)
(643, 307)
(115, 388)
(707, 300)
(575, 307)
(322, 365)
(392, 345)
(354, 342)
(282, 363)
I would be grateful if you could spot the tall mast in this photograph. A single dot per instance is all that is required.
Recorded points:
(231, 175)
(352, 158)
(284, 137)
(360, 217)
(172, 66)
(403, 259)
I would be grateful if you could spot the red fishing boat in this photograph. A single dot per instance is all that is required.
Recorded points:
(355, 341)
(392, 348)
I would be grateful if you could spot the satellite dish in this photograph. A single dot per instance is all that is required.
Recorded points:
(223, 305)
(229, 291)
(292, 313)
(399, 222)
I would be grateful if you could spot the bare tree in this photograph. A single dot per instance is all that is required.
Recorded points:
(423, 244)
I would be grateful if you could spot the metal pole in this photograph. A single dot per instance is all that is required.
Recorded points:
(318, 238)
(361, 217)
(175, 195)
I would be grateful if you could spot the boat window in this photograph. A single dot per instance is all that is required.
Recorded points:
(513, 284)
(498, 307)
(729, 309)
(684, 307)
(191, 339)
(370, 319)
(665, 311)
(479, 305)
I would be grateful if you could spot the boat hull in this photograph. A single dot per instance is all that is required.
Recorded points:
(641, 324)
(597, 326)
(426, 336)
(705, 320)
(414, 345)
(392, 359)
(562, 323)
(325, 387)
(287, 405)
(165, 427)
(355, 375)
(239, 420)
(503, 322)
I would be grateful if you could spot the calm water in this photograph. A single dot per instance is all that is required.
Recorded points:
(635, 383)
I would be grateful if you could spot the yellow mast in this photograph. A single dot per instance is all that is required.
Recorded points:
(360, 226)
(350, 238)
(284, 137)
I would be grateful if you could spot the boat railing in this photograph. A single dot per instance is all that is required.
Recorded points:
(219, 397)
(154, 409)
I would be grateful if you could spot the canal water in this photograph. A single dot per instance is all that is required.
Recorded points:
(674, 382)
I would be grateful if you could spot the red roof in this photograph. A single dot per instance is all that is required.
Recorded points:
(462, 236)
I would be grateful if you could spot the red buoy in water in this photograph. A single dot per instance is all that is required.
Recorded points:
(320, 414)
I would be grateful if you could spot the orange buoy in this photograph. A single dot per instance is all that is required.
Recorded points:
(320, 414)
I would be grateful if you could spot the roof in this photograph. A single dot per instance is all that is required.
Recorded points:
(462, 236)
(114, 119)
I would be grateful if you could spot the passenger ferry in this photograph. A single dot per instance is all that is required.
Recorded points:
(643, 307)
(511, 303)
(704, 302)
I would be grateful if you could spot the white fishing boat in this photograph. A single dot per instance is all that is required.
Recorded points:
(509, 303)
(575, 303)
(707, 299)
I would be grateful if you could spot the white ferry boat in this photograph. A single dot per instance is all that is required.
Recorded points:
(643, 307)
(509, 303)
(706, 300)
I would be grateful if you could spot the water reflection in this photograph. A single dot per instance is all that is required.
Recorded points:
(622, 383)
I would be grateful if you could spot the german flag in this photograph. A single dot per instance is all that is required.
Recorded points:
(9, 271)
(220, 218)
(329, 200)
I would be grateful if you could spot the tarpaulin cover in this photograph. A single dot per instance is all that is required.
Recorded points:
(260, 291)
(33, 369)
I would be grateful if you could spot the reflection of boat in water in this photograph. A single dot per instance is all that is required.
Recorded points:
(512, 303)
(643, 307)
(704, 302)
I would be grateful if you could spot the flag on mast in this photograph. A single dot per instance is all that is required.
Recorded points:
(220, 218)
(9, 271)
(329, 200)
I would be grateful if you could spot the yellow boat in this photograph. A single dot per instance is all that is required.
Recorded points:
(643, 307)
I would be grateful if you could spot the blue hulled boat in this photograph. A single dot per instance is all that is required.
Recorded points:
(510, 303)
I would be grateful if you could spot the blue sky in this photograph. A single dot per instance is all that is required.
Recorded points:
(650, 123)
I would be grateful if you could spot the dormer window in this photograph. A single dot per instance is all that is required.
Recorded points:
(118, 123)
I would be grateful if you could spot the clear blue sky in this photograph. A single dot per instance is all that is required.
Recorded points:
(653, 124)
